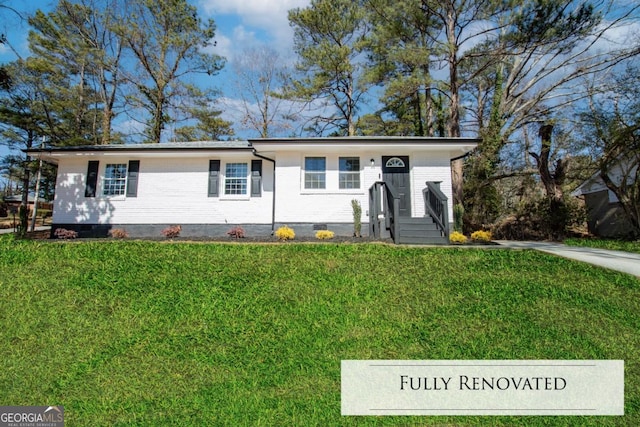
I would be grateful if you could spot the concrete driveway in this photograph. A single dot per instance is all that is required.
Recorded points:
(625, 262)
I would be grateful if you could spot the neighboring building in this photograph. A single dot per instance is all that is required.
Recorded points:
(605, 216)
(259, 184)
(15, 201)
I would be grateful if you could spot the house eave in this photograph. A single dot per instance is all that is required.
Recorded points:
(456, 147)
(167, 150)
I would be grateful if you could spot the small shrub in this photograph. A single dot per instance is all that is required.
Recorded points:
(357, 217)
(172, 231)
(118, 233)
(458, 215)
(63, 233)
(457, 237)
(285, 233)
(481, 236)
(324, 234)
(23, 214)
(236, 232)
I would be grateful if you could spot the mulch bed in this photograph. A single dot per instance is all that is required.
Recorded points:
(44, 235)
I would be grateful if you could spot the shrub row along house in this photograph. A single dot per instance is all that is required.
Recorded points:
(403, 185)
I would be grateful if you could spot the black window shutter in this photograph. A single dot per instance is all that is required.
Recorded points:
(92, 179)
(214, 174)
(132, 178)
(256, 178)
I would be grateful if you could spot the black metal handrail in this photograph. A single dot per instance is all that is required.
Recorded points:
(435, 204)
(375, 209)
(383, 200)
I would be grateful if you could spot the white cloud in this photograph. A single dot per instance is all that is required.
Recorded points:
(223, 46)
(618, 36)
(229, 45)
(267, 15)
(131, 127)
(261, 13)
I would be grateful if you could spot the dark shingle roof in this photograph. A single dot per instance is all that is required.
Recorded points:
(168, 146)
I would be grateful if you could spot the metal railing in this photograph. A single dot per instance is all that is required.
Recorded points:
(384, 203)
(435, 204)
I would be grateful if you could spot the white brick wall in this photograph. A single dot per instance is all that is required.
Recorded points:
(169, 191)
(296, 204)
(174, 190)
(430, 167)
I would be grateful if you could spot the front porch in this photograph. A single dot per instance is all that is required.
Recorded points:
(387, 220)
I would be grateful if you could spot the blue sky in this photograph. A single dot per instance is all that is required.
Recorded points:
(240, 24)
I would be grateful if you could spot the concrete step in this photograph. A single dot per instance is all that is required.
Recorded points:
(415, 220)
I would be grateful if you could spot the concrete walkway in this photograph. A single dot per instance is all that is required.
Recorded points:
(625, 262)
(10, 230)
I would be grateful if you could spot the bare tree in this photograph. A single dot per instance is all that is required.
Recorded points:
(261, 73)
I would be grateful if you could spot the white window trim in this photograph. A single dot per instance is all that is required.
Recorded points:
(303, 178)
(332, 176)
(223, 182)
(395, 162)
(349, 173)
(103, 180)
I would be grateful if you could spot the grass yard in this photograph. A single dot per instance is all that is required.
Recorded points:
(155, 333)
(616, 245)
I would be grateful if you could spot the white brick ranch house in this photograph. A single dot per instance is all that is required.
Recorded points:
(259, 184)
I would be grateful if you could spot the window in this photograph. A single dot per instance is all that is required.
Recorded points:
(349, 172)
(235, 179)
(315, 172)
(395, 162)
(92, 178)
(214, 175)
(115, 179)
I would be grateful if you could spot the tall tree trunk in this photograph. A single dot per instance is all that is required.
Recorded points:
(429, 111)
(23, 212)
(107, 116)
(265, 118)
(82, 108)
(552, 181)
(419, 125)
(454, 107)
(158, 117)
(351, 129)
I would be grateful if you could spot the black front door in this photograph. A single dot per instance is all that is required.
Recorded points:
(395, 171)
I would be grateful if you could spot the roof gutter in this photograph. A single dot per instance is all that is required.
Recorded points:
(273, 201)
(468, 153)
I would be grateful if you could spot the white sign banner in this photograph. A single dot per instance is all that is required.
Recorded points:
(482, 387)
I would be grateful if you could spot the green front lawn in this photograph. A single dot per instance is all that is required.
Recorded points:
(154, 333)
